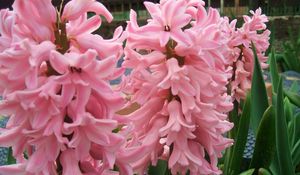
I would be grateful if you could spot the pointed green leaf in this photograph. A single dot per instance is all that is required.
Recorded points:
(160, 169)
(274, 72)
(241, 138)
(296, 153)
(259, 98)
(295, 129)
(288, 111)
(233, 117)
(248, 172)
(282, 141)
(264, 149)
(293, 97)
(227, 160)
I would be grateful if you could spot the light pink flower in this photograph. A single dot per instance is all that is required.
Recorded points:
(253, 30)
(23, 60)
(167, 21)
(180, 84)
(76, 8)
(177, 79)
(30, 16)
(7, 19)
(56, 92)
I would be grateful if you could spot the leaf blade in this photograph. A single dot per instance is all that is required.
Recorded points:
(296, 153)
(259, 98)
(264, 149)
(241, 138)
(282, 141)
(293, 97)
(274, 72)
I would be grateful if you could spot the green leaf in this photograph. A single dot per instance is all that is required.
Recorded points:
(287, 55)
(160, 169)
(263, 171)
(295, 87)
(248, 172)
(290, 57)
(10, 157)
(259, 98)
(282, 141)
(274, 72)
(233, 117)
(264, 149)
(293, 97)
(227, 160)
(288, 111)
(274, 167)
(295, 129)
(296, 153)
(241, 138)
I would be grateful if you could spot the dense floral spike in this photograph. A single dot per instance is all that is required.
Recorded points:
(54, 81)
(179, 77)
(253, 30)
(55, 86)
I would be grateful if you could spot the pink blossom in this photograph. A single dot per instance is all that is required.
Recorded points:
(56, 91)
(76, 8)
(29, 17)
(180, 84)
(168, 19)
(177, 79)
(253, 30)
(6, 28)
(54, 80)
(257, 21)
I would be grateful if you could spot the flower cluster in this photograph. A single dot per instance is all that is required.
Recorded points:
(54, 76)
(188, 66)
(253, 30)
(182, 62)
(179, 77)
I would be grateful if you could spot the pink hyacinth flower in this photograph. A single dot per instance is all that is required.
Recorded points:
(179, 79)
(56, 93)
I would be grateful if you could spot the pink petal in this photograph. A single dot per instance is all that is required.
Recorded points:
(88, 26)
(31, 80)
(10, 137)
(103, 68)
(164, 38)
(76, 8)
(69, 162)
(37, 161)
(15, 169)
(68, 92)
(82, 96)
(152, 8)
(58, 62)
